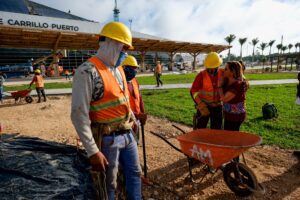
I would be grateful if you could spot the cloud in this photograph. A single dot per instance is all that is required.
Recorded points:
(207, 21)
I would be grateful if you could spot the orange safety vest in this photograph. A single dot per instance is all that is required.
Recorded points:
(114, 106)
(158, 69)
(134, 99)
(39, 81)
(209, 93)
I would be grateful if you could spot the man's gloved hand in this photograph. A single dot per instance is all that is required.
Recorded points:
(98, 162)
(142, 117)
(202, 107)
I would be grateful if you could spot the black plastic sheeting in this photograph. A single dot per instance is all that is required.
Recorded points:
(31, 168)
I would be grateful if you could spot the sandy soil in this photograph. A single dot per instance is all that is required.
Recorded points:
(276, 169)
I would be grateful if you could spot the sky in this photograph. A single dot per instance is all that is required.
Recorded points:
(205, 21)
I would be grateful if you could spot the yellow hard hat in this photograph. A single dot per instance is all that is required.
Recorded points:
(212, 60)
(37, 71)
(117, 31)
(130, 61)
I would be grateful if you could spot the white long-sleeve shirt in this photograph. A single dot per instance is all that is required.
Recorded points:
(87, 87)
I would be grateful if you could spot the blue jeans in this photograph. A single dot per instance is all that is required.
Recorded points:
(122, 149)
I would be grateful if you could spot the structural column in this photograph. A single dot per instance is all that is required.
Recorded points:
(171, 64)
(194, 62)
(142, 55)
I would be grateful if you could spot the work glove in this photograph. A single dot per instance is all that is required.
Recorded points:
(202, 107)
(142, 117)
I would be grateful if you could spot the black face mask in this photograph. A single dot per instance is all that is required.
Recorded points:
(130, 73)
(212, 72)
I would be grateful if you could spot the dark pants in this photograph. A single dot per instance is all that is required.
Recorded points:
(215, 117)
(232, 126)
(158, 81)
(39, 91)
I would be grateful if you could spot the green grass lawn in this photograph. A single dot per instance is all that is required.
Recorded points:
(189, 78)
(284, 131)
(167, 79)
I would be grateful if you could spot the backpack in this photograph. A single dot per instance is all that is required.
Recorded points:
(269, 111)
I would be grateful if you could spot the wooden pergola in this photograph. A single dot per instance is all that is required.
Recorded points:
(11, 37)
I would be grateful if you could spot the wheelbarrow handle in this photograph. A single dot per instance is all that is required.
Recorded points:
(169, 143)
(178, 128)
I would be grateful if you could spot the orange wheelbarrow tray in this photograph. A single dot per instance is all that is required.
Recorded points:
(22, 94)
(216, 147)
(220, 149)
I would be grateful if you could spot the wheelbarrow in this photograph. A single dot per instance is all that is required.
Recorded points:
(219, 150)
(18, 95)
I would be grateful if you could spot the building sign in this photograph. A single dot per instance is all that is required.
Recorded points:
(49, 23)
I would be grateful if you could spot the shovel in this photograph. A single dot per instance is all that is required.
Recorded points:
(144, 151)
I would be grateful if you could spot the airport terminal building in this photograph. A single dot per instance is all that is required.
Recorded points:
(34, 33)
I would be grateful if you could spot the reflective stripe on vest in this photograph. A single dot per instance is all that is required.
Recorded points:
(209, 94)
(135, 101)
(113, 107)
(39, 81)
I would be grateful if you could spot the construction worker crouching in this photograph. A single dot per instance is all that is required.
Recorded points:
(39, 85)
(101, 113)
(130, 66)
(205, 93)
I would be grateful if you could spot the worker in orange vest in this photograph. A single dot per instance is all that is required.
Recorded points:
(67, 74)
(205, 93)
(158, 73)
(136, 102)
(102, 116)
(39, 85)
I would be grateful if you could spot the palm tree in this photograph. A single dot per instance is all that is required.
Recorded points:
(291, 59)
(283, 49)
(270, 44)
(297, 45)
(263, 45)
(290, 46)
(229, 39)
(279, 46)
(254, 43)
(242, 42)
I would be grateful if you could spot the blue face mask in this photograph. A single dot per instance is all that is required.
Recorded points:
(130, 73)
(123, 55)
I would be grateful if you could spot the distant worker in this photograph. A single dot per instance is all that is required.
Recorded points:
(205, 94)
(2, 80)
(102, 116)
(39, 84)
(136, 102)
(158, 73)
(67, 74)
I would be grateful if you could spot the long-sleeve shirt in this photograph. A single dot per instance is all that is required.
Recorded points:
(87, 86)
(198, 85)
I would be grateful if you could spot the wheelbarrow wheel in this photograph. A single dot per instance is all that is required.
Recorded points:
(240, 179)
(28, 99)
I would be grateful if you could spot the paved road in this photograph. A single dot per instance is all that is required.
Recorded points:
(170, 86)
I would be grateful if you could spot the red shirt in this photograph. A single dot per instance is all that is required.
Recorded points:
(235, 109)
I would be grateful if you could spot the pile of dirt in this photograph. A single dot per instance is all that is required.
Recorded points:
(276, 169)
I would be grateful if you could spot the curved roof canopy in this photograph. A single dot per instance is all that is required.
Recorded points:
(26, 24)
